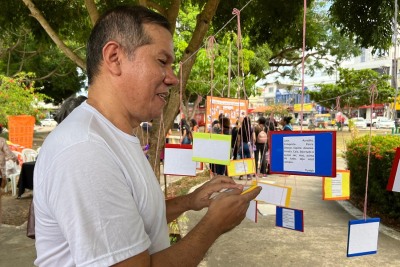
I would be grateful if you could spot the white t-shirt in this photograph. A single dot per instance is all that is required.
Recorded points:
(97, 200)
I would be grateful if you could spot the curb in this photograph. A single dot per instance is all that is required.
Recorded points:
(358, 214)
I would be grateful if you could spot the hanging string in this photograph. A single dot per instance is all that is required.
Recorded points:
(374, 94)
(216, 34)
(158, 140)
(338, 103)
(210, 54)
(180, 100)
(302, 64)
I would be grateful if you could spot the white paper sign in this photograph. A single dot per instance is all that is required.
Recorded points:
(288, 218)
(240, 167)
(273, 194)
(363, 237)
(396, 184)
(212, 148)
(337, 185)
(299, 153)
(178, 161)
(252, 211)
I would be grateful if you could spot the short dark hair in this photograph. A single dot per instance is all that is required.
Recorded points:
(68, 106)
(261, 120)
(123, 24)
(215, 122)
(287, 119)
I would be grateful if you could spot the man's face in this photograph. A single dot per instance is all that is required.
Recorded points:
(147, 77)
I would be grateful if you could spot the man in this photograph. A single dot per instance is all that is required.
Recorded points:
(97, 201)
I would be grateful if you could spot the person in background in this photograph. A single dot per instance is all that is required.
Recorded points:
(286, 125)
(216, 127)
(217, 168)
(186, 133)
(193, 126)
(68, 106)
(245, 140)
(234, 141)
(260, 135)
(97, 200)
(5, 154)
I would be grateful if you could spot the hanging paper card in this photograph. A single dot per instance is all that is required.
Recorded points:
(178, 160)
(337, 188)
(304, 153)
(274, 194)
(394, 179)
(241, 167)
(252, 211)
(211, 148)
(290, 218)
(363, 237)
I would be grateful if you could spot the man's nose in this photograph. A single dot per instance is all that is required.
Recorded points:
(171, 79)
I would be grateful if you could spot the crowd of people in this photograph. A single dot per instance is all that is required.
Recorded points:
(248, 140)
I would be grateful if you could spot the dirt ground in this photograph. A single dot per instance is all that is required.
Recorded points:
(15, 211)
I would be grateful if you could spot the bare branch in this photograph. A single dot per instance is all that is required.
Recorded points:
(92, 10)
(155, 6)
(53, 35)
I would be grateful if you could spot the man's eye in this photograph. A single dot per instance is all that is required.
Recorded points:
(163, 62)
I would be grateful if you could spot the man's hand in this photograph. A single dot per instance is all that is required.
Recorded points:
(200, 198)
(228, 209)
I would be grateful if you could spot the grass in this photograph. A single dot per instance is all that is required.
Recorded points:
(182, 186)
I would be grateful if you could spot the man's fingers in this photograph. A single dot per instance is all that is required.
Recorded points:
(250, 195)
(222, 179)
(218, 187)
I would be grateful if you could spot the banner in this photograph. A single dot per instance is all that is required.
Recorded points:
(230, 107)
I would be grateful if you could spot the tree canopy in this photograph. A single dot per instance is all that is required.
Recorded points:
(353, 89)
(273, 29)
(368, 22)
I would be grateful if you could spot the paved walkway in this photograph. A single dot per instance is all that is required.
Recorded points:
(323, 242)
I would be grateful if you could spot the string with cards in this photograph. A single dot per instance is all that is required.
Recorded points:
(210, 46)
(374, 95)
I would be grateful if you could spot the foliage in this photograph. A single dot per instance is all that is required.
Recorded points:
(368, 22)
(18, 97)
(21, 49)
(252, 63)
(279, 24)
(381, 159)
(353, 89)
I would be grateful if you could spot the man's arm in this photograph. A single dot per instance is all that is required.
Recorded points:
(225, 212)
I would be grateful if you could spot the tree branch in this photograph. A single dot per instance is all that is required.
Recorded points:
(53, 35)
(92, 10)
(155, 6)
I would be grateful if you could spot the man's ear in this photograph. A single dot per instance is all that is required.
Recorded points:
(112, 55)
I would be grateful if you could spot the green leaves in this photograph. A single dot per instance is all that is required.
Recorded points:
(369, 22)
(354, 89)
(18, 97)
